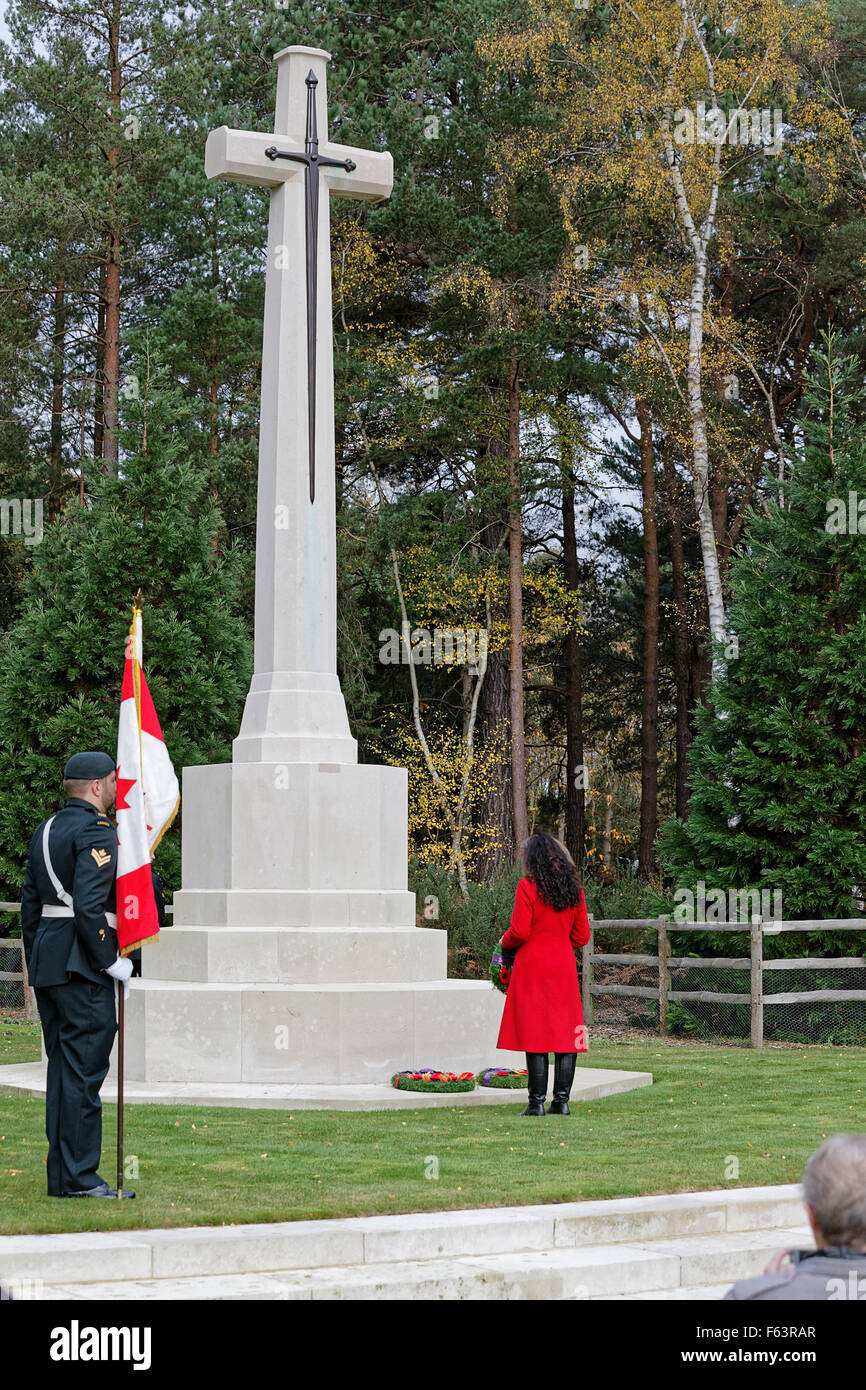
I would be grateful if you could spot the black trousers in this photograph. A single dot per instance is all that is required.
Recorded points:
(78, 1025)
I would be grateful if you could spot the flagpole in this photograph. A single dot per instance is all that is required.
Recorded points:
(136, 606)
(120, 987)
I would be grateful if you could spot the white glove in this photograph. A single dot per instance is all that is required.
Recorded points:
(121, 970)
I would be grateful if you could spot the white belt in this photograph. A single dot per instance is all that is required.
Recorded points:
(52, 910)
(46, 855)
(67, 909)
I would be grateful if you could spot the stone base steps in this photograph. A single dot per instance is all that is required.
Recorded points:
(685, 1246)
(590, 1083)
(700, 1293)
(659, 1269)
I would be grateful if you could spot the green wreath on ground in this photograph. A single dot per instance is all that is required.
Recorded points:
(432, 1080)
(502, 1078)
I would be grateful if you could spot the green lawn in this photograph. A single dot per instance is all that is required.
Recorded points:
(715, 1118)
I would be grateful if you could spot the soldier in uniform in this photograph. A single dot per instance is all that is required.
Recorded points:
(70, 944)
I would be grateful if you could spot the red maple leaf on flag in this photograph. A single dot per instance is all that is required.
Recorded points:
(123, 786)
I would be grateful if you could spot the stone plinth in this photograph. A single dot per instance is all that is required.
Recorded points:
(294, 957)
(340, 1033)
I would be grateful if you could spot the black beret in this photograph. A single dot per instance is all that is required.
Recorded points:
(82, 766)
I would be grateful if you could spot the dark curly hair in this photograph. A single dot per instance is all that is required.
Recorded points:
(552, 870)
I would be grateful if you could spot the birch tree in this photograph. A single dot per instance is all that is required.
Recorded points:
(657, 104)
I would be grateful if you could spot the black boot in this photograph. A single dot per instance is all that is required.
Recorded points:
(563, 1079)
(536, 1082)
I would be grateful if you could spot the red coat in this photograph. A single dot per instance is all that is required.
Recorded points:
(542, 1007)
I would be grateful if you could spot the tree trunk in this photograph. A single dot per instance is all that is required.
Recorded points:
(681, 639)
(701, 459)
(515, 594)
(698, 242)
(111, 374)
(805, 338)
(719, 481)
(560, 819)
(699, 676)
(607, 834)
(719, 508)
(58, 352)
(494, 809)
(650, 679)
(99, 369)
(575, 781)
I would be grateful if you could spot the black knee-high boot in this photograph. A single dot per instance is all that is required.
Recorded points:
(563, 1079)
(536, 1082)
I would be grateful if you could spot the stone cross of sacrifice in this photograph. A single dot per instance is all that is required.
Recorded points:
(295, 709)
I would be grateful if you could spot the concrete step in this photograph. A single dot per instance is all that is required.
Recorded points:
(604, 1249)
(697, 1293)
(660, 1269)
(298, 955)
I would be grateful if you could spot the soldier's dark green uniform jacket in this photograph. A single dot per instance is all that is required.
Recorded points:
(83, 847)
(67, 950)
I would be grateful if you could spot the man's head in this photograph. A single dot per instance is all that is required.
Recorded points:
(91, 777)
(834, 1190)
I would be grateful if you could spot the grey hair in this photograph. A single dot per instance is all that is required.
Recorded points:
(834, 1185)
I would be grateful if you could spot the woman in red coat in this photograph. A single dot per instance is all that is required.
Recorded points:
(542, 1007)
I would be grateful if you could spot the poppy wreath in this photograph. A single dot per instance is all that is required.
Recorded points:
(432, 1080)
(501, 965)
(502, 1078)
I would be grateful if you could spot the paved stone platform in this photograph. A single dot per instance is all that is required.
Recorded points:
(590, 1083)
(685, 1246)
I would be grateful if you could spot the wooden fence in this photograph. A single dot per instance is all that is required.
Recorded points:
(663, 961)
(754, 962)
(30, 1011)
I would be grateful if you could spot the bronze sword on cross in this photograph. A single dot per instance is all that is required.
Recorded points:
(313, 162)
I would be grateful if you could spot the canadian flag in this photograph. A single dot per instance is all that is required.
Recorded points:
(148, 797)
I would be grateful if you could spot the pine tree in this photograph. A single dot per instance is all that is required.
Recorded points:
(155, 526)
(778, 769)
